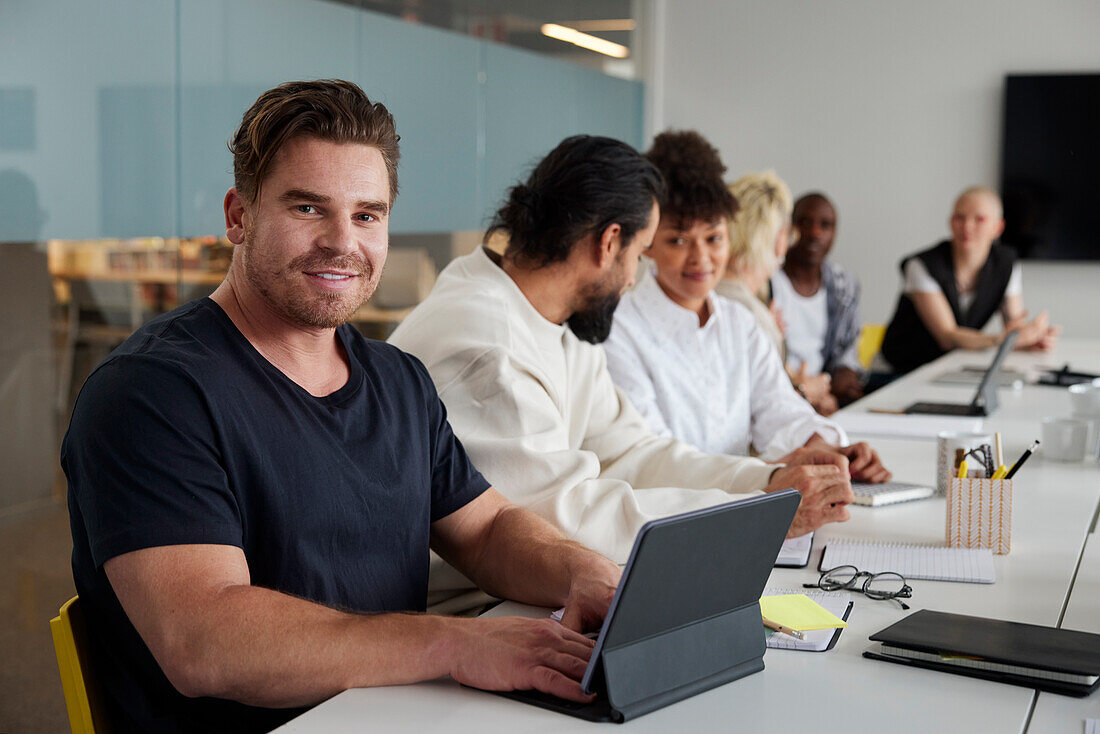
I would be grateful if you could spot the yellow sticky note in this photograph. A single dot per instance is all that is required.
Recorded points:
(799, 612)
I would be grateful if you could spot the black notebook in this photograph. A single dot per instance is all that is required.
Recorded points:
(1046, 658)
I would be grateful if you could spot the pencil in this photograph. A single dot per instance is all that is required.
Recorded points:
(997, 447)
(783, 630)
(1023, 457)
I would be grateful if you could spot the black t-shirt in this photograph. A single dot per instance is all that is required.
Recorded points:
(186, 435)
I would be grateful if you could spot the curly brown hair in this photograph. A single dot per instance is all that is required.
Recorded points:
(693, 171)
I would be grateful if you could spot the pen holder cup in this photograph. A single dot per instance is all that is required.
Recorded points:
(948, 444)
(979, 514)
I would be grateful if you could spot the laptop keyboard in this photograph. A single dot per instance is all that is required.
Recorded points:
(943, 409)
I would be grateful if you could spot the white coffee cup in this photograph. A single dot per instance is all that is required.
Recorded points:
(1084, 401)
(946, 444)
(1065, 439)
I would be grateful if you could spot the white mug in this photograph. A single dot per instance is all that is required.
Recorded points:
(1084, 399)
(946, 444)
(1065, 439)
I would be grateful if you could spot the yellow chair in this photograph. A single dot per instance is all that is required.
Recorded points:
(70, 642)
(870, 342)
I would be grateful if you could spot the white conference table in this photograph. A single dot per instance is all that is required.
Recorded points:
(1060, 713)
(1054, 507)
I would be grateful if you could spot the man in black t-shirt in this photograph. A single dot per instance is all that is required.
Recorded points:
(249, 477)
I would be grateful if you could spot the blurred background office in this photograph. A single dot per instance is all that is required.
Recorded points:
(114, 117)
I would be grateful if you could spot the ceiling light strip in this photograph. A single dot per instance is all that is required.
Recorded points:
(584, 40)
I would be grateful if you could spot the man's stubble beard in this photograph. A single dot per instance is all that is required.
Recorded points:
(320, 310)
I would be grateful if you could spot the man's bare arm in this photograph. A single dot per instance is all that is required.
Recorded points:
(214, 634)
(512, 553)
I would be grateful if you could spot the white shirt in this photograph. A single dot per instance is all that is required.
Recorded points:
(807, 321)
(719, 387)
(919, 280)
(540, 417)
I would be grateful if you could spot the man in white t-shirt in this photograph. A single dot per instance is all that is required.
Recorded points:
(819, 301)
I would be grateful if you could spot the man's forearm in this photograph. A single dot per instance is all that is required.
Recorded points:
(528, 560)
(265, 648)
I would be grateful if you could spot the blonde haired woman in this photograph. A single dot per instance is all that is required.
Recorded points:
(759, 235)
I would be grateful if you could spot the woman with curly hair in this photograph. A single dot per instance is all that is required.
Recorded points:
(696, 365)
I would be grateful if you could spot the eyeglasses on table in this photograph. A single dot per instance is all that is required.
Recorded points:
(884, 585)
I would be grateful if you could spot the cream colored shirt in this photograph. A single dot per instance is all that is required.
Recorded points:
(540, 417)
(736, 291)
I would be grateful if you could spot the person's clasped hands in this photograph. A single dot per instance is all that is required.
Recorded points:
(1036, 335)
(822, 478)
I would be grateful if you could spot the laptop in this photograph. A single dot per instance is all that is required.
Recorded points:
(686, 615)
(985, 399)
(889, 493)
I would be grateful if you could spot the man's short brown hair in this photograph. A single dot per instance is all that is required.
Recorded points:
(327, 109)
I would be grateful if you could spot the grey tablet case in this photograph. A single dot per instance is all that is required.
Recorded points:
(686, 615)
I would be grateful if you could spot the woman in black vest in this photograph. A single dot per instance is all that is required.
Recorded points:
(952, 289)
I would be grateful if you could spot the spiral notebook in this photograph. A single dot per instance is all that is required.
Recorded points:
(932, 562)
(837, 602)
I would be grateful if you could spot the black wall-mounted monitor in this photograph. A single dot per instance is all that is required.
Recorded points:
(1050, 166)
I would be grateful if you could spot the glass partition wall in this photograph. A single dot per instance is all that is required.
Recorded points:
(114, 118)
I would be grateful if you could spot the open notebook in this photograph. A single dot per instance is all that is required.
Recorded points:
(795, 552)
(932, 562)
(836, 602)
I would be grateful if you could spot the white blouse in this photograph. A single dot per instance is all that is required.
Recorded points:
(719, 387)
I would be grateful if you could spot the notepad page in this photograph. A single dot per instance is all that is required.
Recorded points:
(934, 563)
(816, 640)
(795, 551)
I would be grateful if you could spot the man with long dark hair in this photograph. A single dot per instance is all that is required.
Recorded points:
(511, 342)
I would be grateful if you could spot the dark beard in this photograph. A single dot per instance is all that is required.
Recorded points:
(593, 324)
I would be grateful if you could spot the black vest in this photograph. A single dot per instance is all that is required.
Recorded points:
(908, 344)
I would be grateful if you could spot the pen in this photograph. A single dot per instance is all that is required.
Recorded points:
(962, 469)
(783, 630)
(1023, 457)
(1000, 473)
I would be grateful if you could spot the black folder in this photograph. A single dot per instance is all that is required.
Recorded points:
(997, 642)
(686, 615)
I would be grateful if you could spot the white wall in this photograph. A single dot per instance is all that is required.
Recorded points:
(891, 108)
